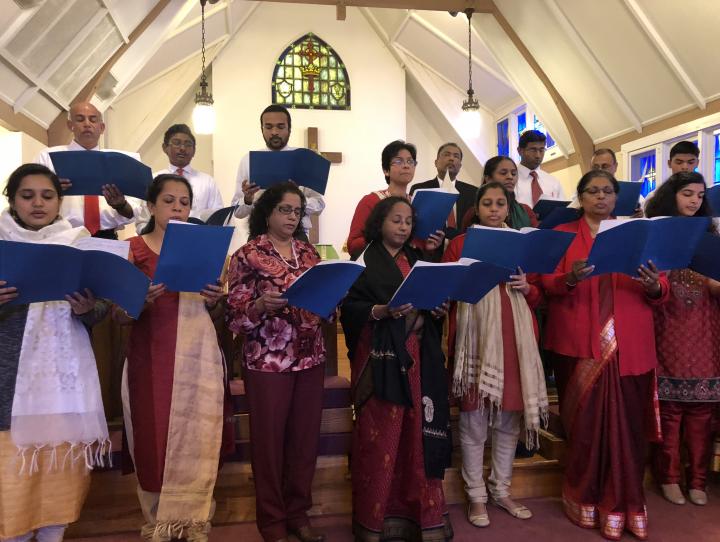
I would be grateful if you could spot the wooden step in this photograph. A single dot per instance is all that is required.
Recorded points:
(112, 504)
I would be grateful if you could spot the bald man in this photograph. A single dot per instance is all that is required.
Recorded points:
(101, 216)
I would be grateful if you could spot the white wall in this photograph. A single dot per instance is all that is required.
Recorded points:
(16, 148)
(241, 86)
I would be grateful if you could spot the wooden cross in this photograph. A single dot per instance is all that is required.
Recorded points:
(334, 158)
(314, 145)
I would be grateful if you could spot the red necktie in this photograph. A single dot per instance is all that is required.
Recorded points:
(91, 214)
(535, 188)
(180, 171)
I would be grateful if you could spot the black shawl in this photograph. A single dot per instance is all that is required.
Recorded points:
(385, 372)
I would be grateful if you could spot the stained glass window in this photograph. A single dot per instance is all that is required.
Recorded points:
(540, 127)
(643, 170)
(503, 144)
(310, 75)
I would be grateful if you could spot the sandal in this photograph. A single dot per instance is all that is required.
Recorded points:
(518, 511)
(478, 520)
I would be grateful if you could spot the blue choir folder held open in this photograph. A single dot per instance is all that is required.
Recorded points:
(706, 259)
(530, 249)
(627, 198)
(559, 215)
(321, 288)
(712, 195)
(192, 256)
(622, 245)
(88, 171)
(545, 206)
(433, 206)
(50, 272)
(302, 166)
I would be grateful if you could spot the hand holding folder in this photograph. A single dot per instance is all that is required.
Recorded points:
(433, 206)
(530, 249)
(623, 245)
(321, 288)
(302, 166)
(89, 171)
(50, 272)
(192, 256)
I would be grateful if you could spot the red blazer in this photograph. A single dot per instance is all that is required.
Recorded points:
(356, 241)
(573, 327)
(452, 254)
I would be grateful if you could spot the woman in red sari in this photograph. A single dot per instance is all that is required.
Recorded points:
(600, 335)
(173, 385)
(687, 332)
(401, 440)
(398, 163)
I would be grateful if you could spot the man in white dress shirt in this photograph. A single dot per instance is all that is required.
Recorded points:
(179, 145)
(275, 123)
(532, 181)
(101, 216)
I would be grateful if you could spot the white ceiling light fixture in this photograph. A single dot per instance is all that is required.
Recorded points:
(470, 104)
(204, 113)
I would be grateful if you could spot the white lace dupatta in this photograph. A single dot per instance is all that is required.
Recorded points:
(57, 392)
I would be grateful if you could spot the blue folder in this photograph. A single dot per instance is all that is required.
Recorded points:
(322, 287)
(534, 251)
(50, 272)
(545, 206)
(90, 170)
(480, 278)
(559, 215)
(706, 259)
(712, 195)
(429, 285)
(627, 198)
(302, 166)
(432, 207)
(669, 242)
(192, 256)
(221, 216)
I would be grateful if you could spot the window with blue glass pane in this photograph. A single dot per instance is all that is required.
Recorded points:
(643, 170)
(717, 159)
(540, 127)
(503, 143)
(521, 123)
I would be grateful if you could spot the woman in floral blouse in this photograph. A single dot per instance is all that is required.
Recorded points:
(284, 362)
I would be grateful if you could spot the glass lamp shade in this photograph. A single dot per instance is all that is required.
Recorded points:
(203, 118)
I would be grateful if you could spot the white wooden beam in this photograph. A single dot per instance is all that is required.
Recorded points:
(380, 31)
(447, 40)
(197, 20)
(114, 16)
(586, 52)
(666, 52)
(403, 24)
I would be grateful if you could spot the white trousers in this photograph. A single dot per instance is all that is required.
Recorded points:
(473, 434)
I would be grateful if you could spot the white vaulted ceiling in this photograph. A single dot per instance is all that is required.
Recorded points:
(619, 65)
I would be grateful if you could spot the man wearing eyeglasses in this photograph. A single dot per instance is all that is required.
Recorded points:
(102, 216)
(179, 145)
(448, 163)
(275, 124)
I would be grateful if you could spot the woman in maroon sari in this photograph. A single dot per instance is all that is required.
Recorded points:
(600, 334)
(401, 440)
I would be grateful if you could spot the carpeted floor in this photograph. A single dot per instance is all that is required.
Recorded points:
(668, 523)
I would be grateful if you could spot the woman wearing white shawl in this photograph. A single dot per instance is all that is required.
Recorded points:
(497, 375)
(52, 423)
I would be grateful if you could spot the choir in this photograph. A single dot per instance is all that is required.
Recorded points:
(636, 360)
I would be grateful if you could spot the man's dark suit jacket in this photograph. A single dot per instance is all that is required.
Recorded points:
(465, 201)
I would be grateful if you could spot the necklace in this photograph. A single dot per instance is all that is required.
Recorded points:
(292, 247)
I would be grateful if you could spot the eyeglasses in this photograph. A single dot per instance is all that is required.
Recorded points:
(181, 144)
(400, 162)
(608, 191)
(287, 209)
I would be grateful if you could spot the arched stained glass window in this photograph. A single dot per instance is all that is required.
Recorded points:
(310, 75)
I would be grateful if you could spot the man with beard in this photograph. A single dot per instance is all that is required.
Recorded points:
(448, 163)
(101, 216)
(532, 181)
(275, 123)
(179, 145)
